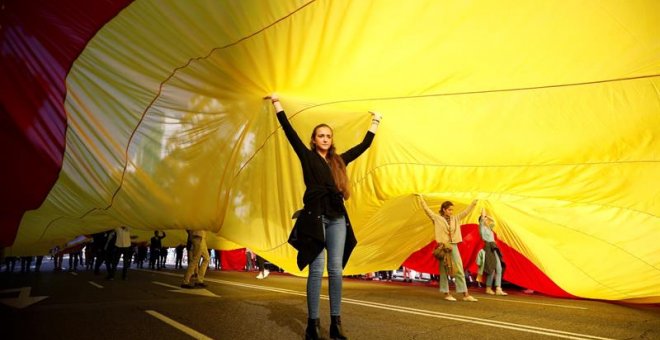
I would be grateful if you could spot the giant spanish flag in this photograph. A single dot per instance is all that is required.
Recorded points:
(150, 114)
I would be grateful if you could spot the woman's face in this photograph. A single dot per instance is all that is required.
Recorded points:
(449, 211)
(323, 138)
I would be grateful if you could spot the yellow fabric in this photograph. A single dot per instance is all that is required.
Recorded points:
(548, 112)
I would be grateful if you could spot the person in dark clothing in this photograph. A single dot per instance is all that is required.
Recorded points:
(26, 262)
(323, 221)
(263, 272)
(179, 256)
(37, 265)
(154, 250)
(163, 256)
(217, 259)
(385, 275)
(110, 250)
(10, 263)
(75, 256)
(141, 254)
(98, 249)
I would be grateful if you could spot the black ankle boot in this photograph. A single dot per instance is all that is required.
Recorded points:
(313, 329)
(335, 328)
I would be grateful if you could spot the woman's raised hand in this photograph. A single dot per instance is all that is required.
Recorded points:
(376, 116)
(273, 97)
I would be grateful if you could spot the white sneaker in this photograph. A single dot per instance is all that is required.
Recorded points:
(469, 298)
(266, 273)
(260, 276)
(449, 298)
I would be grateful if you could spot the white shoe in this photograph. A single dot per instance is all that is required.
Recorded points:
(499, 291)
(260, 276)
(489, 291)
(266, 273)
(449, 298)
(469, 298)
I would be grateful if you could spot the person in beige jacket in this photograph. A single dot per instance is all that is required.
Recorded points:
(448, 232)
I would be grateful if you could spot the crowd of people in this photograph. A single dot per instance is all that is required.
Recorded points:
(104, 250)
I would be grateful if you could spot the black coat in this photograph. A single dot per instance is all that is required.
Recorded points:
(307, 235)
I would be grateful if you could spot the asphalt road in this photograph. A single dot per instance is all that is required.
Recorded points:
(235, 305)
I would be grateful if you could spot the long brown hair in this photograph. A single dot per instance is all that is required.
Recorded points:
(337, 165)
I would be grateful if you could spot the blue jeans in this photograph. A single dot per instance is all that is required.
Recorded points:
(335, 237)
(459, 276)
(497, 274)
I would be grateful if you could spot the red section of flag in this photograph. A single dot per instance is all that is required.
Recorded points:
(233, 259)
(39, 40)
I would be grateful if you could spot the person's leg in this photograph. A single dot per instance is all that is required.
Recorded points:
(335, 240)
(37, 266)
(459, 275)
(444, 281)
(116, 254)
(314, 296)
(205, 261)
(498, 276)
(128, 254)
(314, 285)
(194, 260)
(100, 255)
(489, 283)
(260, 264)
(490, 278)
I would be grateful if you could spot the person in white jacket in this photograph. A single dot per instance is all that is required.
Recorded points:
(122, 248)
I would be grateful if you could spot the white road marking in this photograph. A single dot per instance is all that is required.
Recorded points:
(193, 333)
(196, 291)
(533, 303)
(166, 285)
(95, 284)
(23, 299)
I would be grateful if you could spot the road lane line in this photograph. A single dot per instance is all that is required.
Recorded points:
(533, 303)
(95, 284)
(193, 333)
(165, 285)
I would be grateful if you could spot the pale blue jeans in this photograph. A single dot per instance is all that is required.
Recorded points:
(335, 237)
(497, 274)
(459, 276)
